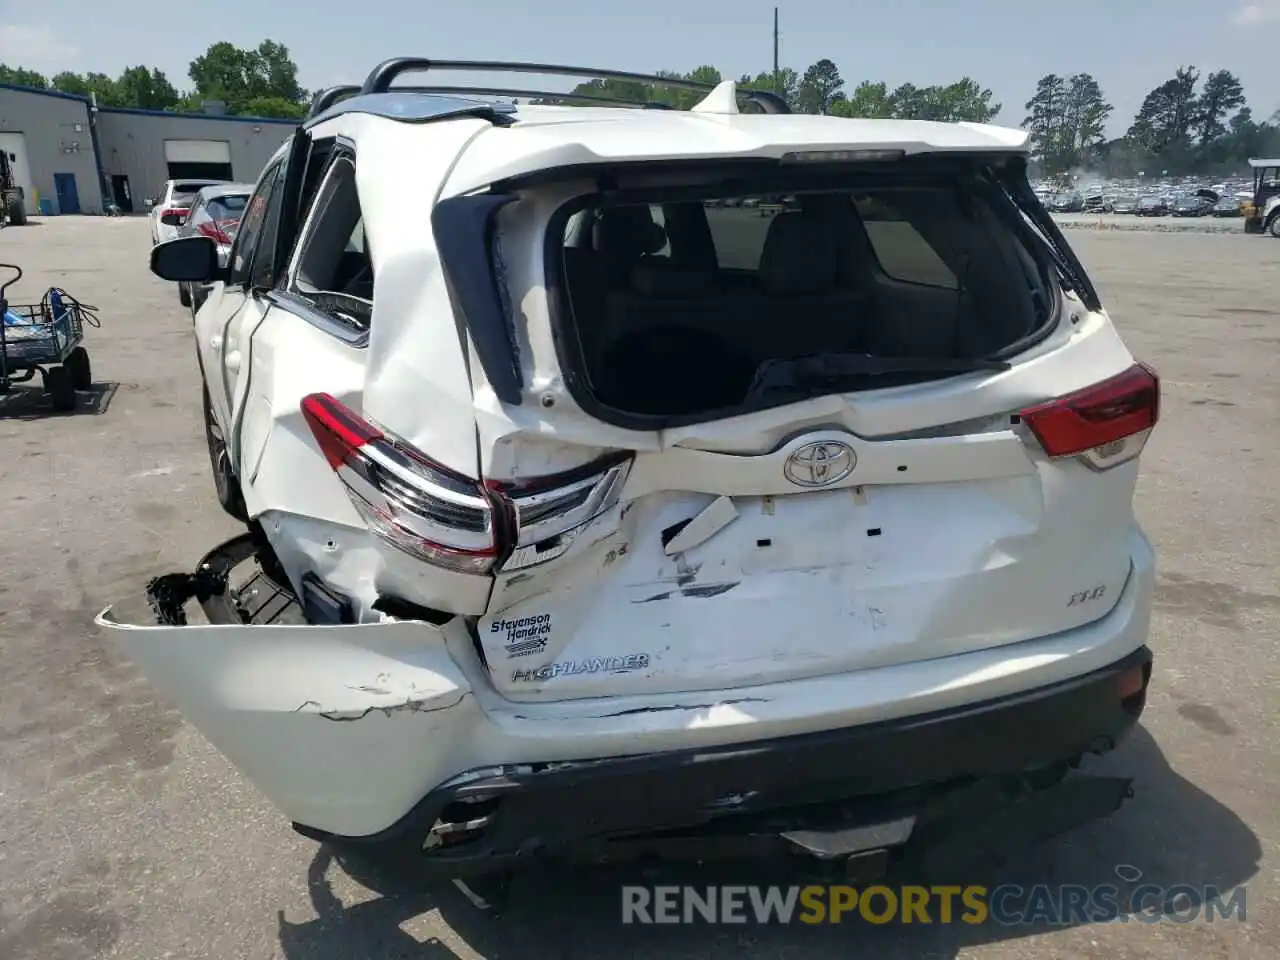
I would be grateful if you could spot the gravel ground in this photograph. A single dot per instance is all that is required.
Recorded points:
(125, 835)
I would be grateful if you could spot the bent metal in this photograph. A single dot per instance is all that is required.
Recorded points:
(569, 668)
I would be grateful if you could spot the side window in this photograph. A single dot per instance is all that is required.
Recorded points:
(333, 270)
(903, 253)
(251, 227)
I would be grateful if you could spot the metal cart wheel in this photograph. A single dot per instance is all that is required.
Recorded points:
(57, 383)
(77, 365)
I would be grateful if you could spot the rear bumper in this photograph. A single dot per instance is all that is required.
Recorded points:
(355, 729)
(837, 794)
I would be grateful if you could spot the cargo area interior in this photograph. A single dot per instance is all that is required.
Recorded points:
(676, 299)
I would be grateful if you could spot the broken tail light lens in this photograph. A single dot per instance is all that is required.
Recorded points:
(408, 500)
(1104, 425)
(547, 514)
(216, 230)
(448, 520)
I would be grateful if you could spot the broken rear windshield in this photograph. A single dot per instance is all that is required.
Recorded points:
(676, 300)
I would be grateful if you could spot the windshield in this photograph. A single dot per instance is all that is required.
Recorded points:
(679, 298)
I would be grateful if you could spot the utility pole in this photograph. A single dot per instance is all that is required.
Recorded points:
(776, 88)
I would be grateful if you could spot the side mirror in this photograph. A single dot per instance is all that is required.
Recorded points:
(187, 260)
(173, 219)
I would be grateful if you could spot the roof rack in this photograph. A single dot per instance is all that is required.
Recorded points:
(381, 78)
(326, 98)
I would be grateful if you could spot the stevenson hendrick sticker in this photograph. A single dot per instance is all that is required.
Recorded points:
(525, 635)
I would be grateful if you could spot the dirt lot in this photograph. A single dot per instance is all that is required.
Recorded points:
(123, 834)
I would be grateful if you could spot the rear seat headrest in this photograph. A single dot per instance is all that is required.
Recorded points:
(629, 232)
(660, 279)
(799, 256)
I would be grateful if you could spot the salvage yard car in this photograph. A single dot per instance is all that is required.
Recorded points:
(588, 508)
(215, 213)
(168, 214)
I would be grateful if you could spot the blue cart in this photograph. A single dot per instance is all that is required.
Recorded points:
(45, 338)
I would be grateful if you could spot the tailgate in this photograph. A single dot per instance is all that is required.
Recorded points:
(716, 570)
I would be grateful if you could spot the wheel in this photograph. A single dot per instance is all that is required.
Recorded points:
(17, 210)
(184, 295)
(1273, 225)
(230, 498)
(57, 383)
(77, 364)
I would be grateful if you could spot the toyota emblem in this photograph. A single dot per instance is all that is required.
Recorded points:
(820, 464)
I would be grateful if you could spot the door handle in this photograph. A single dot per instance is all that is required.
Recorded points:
(215, 342)
(233, 361)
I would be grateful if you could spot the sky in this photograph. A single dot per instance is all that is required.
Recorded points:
(1130, 46)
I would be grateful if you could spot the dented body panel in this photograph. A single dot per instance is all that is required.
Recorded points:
(346, 728)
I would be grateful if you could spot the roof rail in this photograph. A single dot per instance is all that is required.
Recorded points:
(385, 74)
(535, 94)
(324, 99)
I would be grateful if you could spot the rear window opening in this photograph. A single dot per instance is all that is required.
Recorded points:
(690, 303)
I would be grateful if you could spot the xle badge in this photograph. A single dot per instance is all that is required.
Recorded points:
(1087, 596)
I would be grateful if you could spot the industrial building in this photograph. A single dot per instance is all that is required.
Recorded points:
(69, 154)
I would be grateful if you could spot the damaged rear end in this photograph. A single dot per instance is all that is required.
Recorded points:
(790, 419)
(785, 470)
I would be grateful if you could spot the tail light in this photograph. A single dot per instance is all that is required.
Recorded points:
(174, 212)
(446, 519)
(1104, 425)
(215, 230)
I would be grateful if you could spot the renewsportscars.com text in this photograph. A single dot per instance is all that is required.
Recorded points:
(1007, 905)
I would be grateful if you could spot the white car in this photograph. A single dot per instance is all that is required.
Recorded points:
(168, 214)
(583, 503)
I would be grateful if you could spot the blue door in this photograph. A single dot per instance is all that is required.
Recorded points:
(64, 184)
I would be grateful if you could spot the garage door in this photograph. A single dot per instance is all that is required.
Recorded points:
(198, 159)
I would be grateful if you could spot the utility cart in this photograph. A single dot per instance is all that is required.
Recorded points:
(44, 338)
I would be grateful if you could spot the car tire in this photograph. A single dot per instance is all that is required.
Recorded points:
(230, 497)
(184, 295)
(57, 383)
(16, 209)
(1273, 225)
(78, 367)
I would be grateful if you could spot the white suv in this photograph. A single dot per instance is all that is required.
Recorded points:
(168, 215)
(587, 500)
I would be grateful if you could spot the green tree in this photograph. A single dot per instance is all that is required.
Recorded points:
(1222, 93)
(99, 85)
(21, 77)
(1163, 123)
(820, 87)
(146, 88)
(1044, 121)
(909, 102)
(786, 84)
(237, 76)
(867, 100)
(1087, 114)
(964, 100)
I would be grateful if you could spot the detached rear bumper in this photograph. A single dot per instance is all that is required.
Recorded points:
(836, 794)
(375, 731)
